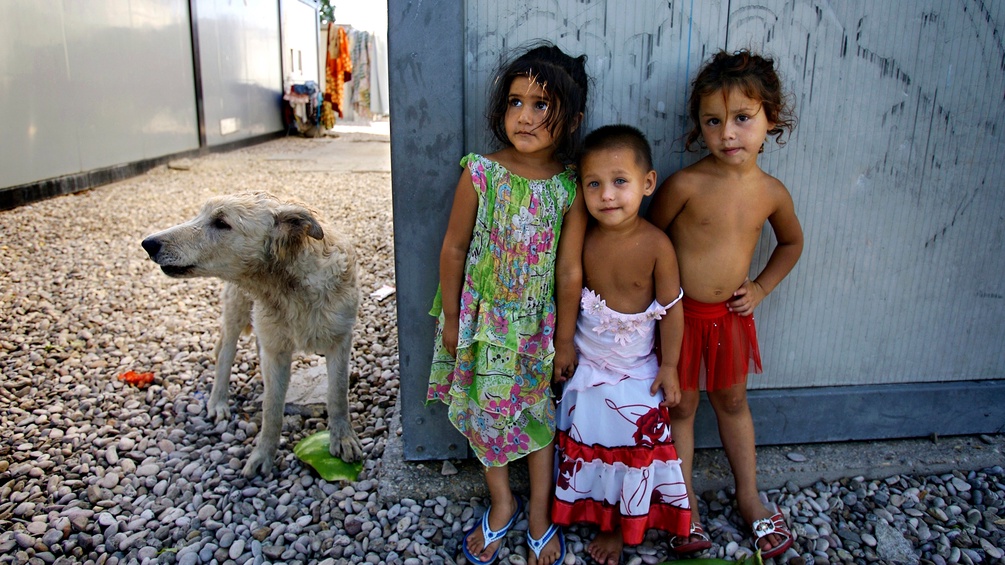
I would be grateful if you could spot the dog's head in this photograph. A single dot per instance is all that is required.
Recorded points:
(234, 235)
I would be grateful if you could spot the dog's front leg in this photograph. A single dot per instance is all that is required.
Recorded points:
(276, 377)
(236, 319)
(344, 443)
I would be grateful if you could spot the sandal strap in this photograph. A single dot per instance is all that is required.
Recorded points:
(491, 536)
(537, 545)
(773, 525)
(695, 530)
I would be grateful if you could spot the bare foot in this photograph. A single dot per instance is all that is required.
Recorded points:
(606, 548)
(499, 516)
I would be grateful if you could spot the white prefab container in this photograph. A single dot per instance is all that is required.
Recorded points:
(99, 90)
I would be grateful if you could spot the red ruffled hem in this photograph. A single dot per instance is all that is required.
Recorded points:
(630, 455)
(672, 519)
(719, 347)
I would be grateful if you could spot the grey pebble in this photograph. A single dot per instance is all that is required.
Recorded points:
(237, 548)
(23, 540)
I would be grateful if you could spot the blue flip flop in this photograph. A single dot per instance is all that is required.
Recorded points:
(489, 535)
(537, 545)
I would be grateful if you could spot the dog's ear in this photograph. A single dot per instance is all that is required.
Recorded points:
(293, 226)
(297, 221)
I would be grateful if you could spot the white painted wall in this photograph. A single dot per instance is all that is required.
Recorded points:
(242, 78)
(302, 58)
(87, 85)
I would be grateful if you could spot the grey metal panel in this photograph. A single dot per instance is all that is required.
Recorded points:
(832, 414)
(425, 72)
(896, 174)
(641, 56)
(239, 49)
(895, 170)
(81, 82)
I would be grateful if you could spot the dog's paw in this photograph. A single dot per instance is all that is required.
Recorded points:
(219, 411)
(260, 463)
(344, 443)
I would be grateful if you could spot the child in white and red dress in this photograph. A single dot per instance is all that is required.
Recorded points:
(617, 465)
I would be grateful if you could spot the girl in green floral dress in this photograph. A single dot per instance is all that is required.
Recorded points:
(510, 279)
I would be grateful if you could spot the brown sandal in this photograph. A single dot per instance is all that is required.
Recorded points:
(685, 545)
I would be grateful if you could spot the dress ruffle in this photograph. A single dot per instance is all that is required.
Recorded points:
(613, 346)
(617, 464)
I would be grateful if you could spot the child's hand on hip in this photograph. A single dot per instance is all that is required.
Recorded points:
(746, 298)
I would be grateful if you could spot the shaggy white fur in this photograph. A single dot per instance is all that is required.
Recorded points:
(294, 280)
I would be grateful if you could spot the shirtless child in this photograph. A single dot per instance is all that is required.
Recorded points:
(618, 469)
(714, 211)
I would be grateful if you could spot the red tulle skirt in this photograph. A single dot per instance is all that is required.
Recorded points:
(719, 347)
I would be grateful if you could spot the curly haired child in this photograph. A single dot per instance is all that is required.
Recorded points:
(714, 211)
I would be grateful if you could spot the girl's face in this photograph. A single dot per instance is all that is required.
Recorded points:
(526, 109)
(733, 126)
(614, 184)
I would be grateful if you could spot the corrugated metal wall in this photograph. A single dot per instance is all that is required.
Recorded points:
(891, 325)
(895, 166)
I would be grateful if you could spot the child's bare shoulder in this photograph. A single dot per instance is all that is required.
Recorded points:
(774, 189)
(654, 238)
(689, 178)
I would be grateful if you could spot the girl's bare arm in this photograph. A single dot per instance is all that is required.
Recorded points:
(667, 280)
(568, 287)
(453, 255)
(789, 235)
(667, 202)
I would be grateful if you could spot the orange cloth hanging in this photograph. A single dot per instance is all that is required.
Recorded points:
(338, 70)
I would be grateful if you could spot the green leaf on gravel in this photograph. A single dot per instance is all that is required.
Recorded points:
(313, 450)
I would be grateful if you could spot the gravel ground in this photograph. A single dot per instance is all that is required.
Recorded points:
(93, 470)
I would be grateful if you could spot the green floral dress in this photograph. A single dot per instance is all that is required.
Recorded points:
(497, 389)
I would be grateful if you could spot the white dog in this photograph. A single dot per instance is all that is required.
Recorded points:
(294, 280)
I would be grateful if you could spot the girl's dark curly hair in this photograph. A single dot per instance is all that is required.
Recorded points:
(751, 74)
(564, 80)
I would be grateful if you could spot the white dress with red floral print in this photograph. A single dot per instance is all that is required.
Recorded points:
(617, 464)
